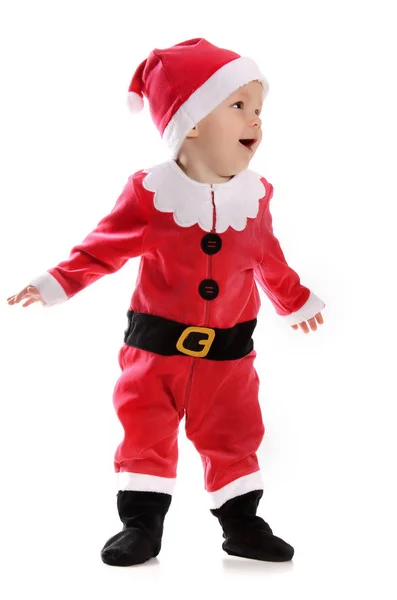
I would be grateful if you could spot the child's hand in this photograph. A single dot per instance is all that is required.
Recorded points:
(29, 293)
(312, 323)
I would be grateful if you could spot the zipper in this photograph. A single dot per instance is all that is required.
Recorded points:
(207, 308)
(209, 268)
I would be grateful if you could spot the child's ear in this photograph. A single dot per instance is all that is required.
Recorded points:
(193, 132)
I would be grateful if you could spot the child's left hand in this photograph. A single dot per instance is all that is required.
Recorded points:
(312, 323)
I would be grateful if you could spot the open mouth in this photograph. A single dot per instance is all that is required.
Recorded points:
(248, 143)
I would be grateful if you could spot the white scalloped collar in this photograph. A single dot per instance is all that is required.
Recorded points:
(191, 201)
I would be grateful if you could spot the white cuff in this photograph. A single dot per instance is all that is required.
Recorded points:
(312, 306)
(50, 290)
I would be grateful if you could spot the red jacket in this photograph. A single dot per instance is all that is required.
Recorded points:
(162, 215)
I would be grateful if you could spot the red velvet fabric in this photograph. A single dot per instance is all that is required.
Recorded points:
(173, 263)
(218, 398)
(153, 393)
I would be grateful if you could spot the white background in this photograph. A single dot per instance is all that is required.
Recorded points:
(68, 145)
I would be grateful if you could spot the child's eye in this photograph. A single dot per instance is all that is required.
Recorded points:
(257, 111)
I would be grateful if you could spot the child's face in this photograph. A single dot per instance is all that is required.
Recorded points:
(216, 138)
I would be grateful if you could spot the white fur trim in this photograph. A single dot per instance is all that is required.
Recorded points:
(135, 102)
(140, 482)
(190, 201)
(312, 306)
(50, 290)
(208, 96)
(238, 487)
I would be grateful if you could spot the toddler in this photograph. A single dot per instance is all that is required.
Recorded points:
(201, 224)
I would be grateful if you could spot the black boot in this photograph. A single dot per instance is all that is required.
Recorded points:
(142, 514)
(248, 535)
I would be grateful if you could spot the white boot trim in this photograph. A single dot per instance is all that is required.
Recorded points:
(238, 487)
(140, 482)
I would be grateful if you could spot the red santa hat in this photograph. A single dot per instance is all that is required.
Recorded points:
(185, 82)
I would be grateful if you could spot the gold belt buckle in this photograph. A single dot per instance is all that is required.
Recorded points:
(206, 343)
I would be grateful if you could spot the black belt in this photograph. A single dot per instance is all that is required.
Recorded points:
(168, 338)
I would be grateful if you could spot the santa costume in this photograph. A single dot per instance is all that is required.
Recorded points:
(188, 348)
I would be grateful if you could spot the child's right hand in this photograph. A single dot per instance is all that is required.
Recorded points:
(29, 293)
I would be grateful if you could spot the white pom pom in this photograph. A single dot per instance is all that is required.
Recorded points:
(135, 102)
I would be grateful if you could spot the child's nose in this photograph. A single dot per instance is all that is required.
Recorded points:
(255, 121)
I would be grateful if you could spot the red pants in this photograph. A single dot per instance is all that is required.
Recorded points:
(223, 420)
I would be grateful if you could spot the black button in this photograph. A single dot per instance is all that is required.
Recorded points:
(211, 243)
(208, 289)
